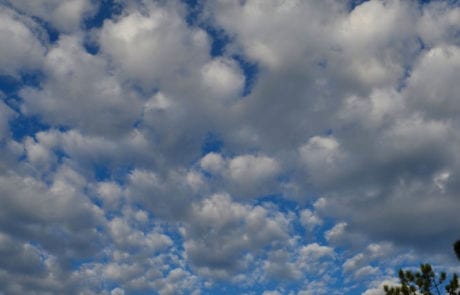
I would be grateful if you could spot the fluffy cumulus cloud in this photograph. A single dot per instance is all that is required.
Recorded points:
(24, 48)
(154, 45)
(244, 175)
(226, 147)
(94, 101)
(66, 16)
(222, 237)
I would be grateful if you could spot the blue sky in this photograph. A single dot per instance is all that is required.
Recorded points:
(226, 147)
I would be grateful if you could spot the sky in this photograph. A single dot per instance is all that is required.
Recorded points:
(226, 147)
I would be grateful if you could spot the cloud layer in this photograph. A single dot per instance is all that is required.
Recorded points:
(183, 147)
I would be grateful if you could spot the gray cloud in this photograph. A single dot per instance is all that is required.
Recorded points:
(220, 234)
(387, 141)
(79, 92)
(65, 15)
(25, 48)
(352, 111)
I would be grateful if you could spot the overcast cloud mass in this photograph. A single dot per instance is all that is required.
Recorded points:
(226, 147)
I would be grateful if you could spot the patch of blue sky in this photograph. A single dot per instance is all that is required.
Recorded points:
(102, 172)
(283, 205)
(212, 143)
(10, 85)
(220, 40)
(52, 33)
(194, 8)
(21, 125)
(105, 171)
(354, 3)
(319, 232)
(250, 71)
(76, 264)
(90, 45)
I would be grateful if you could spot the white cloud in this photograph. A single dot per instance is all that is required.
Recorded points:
(155, 45)
(309, 219)
(65, 15)
(377, 289)
(337, 233)
(432, 86)
(248, 170)
(244, 175)
(213, 162)
(110, 193)
(374, 111)
(57, 216)
(351, 110)
(364, 36)
(22, 48)
(268, 30)
(79, 92)
(220, 232)
(223, 79)
(176, 281)
(323, 157)
(117, 291)
(366, 271)
(313, 252)
(279, 266)
(167, 196)
(438, 23)
(128, 238)
(354, 263)
(413, 135)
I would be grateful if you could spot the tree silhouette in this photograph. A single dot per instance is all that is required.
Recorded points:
(457, 249)
(425, 281)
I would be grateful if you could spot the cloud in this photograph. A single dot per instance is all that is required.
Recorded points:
(244, 175)
(167, 196)
(65, 15)
(6, 115)
(336, 233)
(223, 79)
(281, 267)
(19, 258)
(337, 167)
(379, 52)
(41, 208)
(438, 24)
(323, 158)
(220, 235)
(79, 92)
(128, 238)
(309, 219)
(213, 163)
(26, 44)
(431, 88)
(154, 45)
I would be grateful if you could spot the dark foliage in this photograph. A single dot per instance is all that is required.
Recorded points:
(457, 249)
(425, 281)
